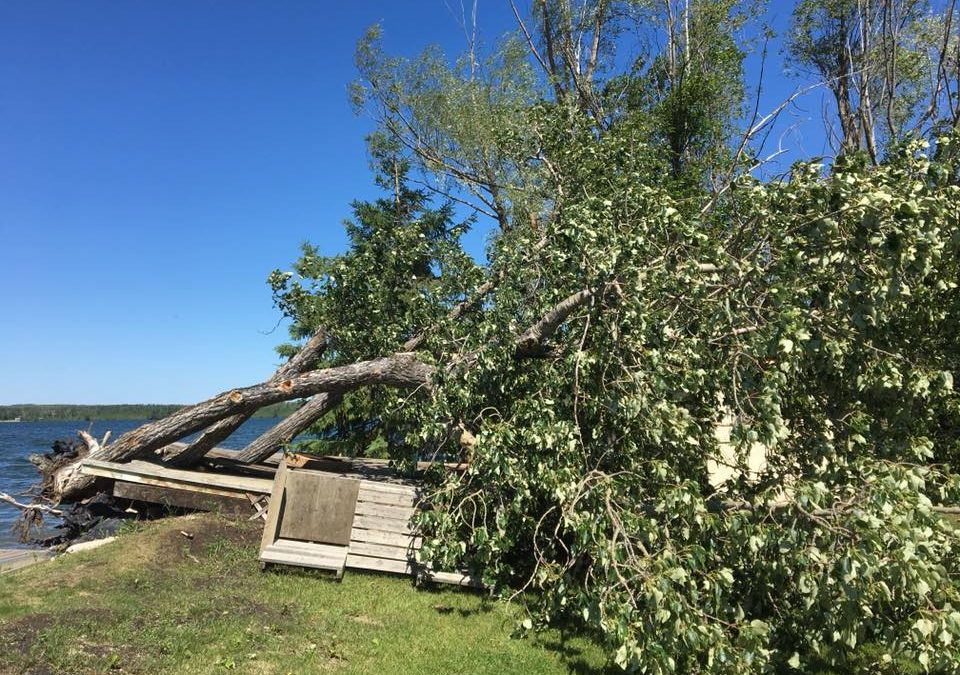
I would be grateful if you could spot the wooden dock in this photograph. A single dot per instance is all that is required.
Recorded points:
(15, 558)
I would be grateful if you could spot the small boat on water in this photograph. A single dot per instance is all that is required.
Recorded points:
(15, 419)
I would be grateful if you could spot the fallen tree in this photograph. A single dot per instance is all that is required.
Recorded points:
(399, 370)
(403, 370)
(289, 428)
(625, 310)
(304, 360)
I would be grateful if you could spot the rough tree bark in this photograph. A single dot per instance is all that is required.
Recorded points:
(303, 361)
(400, 370)
(287, 429)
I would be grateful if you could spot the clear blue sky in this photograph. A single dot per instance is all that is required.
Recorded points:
(158, 159)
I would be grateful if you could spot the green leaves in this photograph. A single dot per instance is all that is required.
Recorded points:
(728, 460)
(590, 480)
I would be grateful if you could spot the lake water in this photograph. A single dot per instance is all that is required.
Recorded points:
(20, 439)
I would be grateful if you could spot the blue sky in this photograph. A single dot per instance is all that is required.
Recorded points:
(158, 159)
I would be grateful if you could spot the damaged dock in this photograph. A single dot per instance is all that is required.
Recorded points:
(15, 558)
(331, 513)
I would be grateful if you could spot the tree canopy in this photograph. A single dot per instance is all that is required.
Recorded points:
(642, 292)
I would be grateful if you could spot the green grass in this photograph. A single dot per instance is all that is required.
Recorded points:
(157, 602)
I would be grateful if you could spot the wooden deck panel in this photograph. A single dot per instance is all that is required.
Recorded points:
(16, 558)
(305, 554)
(381, 538)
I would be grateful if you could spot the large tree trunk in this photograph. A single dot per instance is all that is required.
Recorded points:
(529, 344)
(288, 428)
(401, 370)
(303, 361)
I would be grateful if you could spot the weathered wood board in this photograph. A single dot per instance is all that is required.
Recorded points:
(309, 520)
(16, 558)
(319, 508)
(148, 473)
(382, 537)
(182, 498)
(305, 554)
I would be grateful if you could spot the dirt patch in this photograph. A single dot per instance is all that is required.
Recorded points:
(197, 535)
(19, 635)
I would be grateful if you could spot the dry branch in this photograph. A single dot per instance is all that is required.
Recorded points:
(287, 429)
(400, 370)
(41, 508)
(305, 359)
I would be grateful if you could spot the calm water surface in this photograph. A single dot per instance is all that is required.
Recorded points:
(20, 439)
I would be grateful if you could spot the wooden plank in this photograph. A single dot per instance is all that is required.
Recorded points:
(318, 507)
(318, 551)
(211, 478)
(383, 551)
(160, 482)
(386, 538)
(386, 498)
(453, 578)
(138, 471)
(355, 561)
(393, 486)
(390, 488)
(14, 559)
(275, 509)
(363, 562)
(312, 547)
(383, 524)
(301, 559)
(185, 499)
(404, 513)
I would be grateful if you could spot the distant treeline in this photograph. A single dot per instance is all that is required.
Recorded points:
(33, 412)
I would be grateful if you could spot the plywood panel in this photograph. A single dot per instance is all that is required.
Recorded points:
(318, 508)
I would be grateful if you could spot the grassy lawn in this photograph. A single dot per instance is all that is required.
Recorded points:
(157, 602)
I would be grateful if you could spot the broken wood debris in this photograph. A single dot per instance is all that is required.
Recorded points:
(364, 506)
(329, 513)
(336, 521)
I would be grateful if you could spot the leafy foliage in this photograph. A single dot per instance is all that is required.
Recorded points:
(813, 317)
(404, 269)
(821, 314)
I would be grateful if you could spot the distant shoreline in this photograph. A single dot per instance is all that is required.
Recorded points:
(36, 412)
